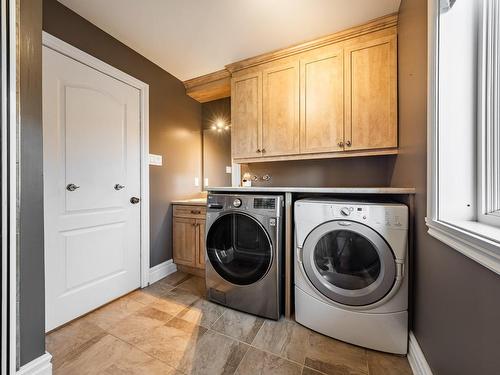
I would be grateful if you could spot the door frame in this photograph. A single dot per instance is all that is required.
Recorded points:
(9, 187)
(74, 53)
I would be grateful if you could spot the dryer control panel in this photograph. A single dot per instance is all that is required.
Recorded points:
(389, 215)
(386, 215)
(351, 211)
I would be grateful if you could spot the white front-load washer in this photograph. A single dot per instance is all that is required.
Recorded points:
(351, 271)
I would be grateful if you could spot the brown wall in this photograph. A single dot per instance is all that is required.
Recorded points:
(361, 172)
(367, 172)
(456, 301)
(174, 118)
(31, 297)
(216, 146)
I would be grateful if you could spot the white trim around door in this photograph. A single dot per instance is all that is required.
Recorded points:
(74, 53)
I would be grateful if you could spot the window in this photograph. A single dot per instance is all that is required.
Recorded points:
(464, 127)
(489, 115)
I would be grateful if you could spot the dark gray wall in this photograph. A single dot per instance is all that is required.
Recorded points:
(456, 301)
(216, 145)
(343, 172)
(174, 119)
(31, 308)
(367, 172)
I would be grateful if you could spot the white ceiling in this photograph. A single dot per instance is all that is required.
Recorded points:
(189, 38)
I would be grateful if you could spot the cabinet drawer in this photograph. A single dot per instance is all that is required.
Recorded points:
(195, 212)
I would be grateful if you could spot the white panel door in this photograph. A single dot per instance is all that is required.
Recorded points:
(91, 138)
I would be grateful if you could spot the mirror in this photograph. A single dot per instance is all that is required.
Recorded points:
(216, 117)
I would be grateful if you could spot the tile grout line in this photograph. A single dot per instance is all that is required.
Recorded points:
(241, 361)
(142, 351)
(262, 350)
(216, 320)
(257, 333)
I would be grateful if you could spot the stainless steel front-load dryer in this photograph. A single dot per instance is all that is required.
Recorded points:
(244, 252)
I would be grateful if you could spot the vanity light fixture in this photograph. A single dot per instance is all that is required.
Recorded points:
(220, 125)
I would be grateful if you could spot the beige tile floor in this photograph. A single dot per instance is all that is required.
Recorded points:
(169, 328)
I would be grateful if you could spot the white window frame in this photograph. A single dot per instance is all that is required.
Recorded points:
(478, 239)
(488, 116)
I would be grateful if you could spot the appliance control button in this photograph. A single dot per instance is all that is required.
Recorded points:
(344, 211)
(237, 202)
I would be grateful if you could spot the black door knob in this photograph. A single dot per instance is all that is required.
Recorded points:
(134, 200)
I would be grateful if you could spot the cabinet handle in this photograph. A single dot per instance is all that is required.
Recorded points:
(72, 187)
(195, 212)
(348, 143)
(340, 144)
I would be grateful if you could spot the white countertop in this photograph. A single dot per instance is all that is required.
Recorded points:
(191, 202)
(321, 190)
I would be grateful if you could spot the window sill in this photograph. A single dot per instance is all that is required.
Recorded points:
(477, 241)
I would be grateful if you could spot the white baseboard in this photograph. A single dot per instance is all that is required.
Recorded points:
(416, 357)
(39, 366)
(161, 270)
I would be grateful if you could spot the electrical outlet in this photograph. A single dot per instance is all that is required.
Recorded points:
(196, 181)
(228, 170)
(155, 159)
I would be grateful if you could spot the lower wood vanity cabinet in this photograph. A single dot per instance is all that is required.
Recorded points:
(188, 232)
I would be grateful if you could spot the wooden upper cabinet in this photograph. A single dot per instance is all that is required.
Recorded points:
(246, 115)
(322, 102)
(332, 97)
(280, 110)
(371, 94)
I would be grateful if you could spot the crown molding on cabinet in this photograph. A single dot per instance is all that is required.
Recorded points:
(377, 24)
(213, 86)
(217, 85)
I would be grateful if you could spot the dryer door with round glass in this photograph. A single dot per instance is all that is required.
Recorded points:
(239, 248)
(349, 263)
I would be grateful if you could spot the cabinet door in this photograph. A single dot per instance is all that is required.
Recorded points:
(322, 102)
(280, 110)
(371, 94)
(246, 115)
(200, 248)
(184, 241)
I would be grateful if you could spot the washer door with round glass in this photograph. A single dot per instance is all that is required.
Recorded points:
(349, 263)
(239, 248)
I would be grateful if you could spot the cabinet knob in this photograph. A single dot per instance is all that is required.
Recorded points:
(258, 150)
(263, 150)
(348, 143)
(340, 144)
